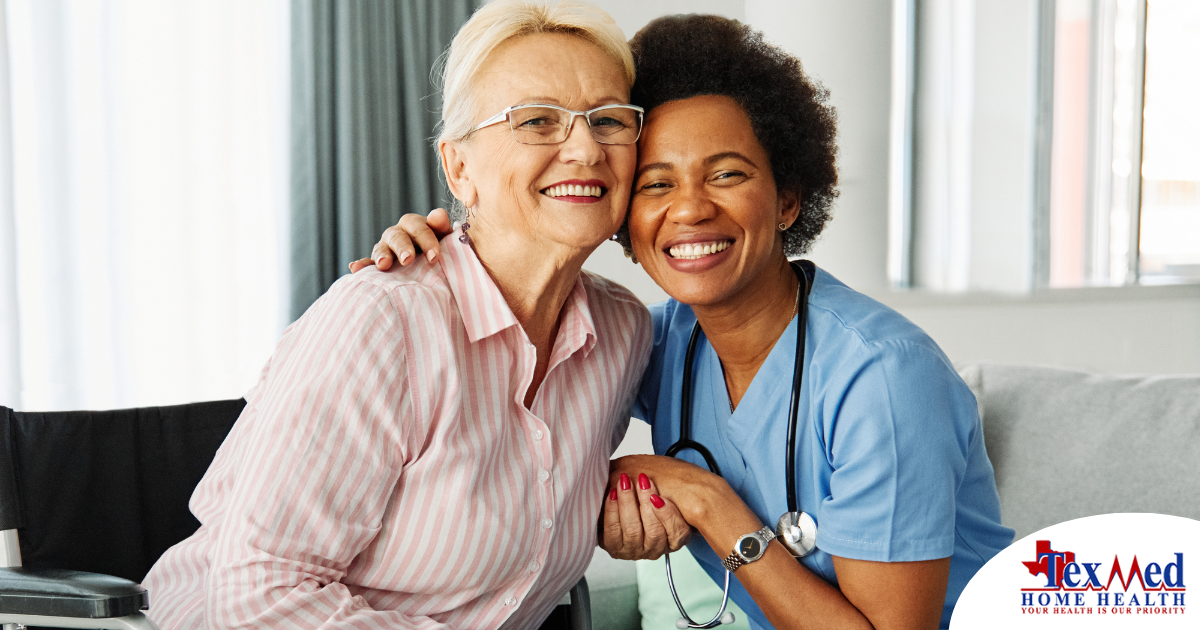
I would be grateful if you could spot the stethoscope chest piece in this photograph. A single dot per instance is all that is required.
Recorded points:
(797, 531)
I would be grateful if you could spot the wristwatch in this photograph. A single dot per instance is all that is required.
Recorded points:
(749, 548)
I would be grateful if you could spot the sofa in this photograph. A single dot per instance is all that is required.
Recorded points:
(1064, 444)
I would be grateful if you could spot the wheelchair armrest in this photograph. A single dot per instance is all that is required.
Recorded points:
(581, 606)
(62, 593)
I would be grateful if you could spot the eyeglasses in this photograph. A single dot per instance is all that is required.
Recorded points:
(551, 124)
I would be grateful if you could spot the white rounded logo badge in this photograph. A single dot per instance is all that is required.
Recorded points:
(1106, 571)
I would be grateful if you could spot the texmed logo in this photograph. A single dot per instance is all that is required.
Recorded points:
(1067, 585)
(1103, 572)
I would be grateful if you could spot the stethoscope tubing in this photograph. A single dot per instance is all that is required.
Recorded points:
(797, 381)
(691, 623)
(685, 441)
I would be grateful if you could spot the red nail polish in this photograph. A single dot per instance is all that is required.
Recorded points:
(643, 481)
(657, 501)
(625, 485)
(612, 496)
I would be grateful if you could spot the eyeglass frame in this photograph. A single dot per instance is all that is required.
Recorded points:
(503, 117)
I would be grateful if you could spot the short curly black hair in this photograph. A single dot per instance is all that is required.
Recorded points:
(681, 56)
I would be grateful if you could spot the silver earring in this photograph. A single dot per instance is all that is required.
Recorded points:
(782, 227)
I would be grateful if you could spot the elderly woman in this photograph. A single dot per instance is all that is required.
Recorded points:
(428, 448)
(735, 174)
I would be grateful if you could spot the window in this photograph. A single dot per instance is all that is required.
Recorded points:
(1125, 93)
(1170, 199)
(1046, 144)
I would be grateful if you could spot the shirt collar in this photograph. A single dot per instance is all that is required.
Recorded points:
(577, 330)
(484, 311)
(480, 303)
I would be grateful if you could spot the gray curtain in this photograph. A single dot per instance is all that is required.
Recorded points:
(363, 114)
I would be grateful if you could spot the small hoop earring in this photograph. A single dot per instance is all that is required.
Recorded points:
(782, 227)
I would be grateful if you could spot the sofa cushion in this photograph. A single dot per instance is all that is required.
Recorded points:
(1068, 444)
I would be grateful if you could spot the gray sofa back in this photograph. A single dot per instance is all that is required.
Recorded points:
(1069, 444)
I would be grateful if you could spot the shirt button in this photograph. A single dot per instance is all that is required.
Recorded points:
(543, 476)
(510, 601)
(537, 434)
(547, 523)
(534, 566)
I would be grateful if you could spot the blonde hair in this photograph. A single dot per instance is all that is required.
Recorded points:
(502, 20)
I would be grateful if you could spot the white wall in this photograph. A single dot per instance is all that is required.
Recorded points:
(847, 46)
(1135, 330)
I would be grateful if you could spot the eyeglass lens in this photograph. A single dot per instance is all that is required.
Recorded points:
(547, 125)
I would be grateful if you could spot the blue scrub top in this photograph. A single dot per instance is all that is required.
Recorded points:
(890, 460)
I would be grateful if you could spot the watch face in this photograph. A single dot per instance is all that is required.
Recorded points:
(749, 547)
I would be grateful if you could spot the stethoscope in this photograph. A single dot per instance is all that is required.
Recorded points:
(796, 530)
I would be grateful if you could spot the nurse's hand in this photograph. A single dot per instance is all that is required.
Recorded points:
(411, 235)
(638, 524)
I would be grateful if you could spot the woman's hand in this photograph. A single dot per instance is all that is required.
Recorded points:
(398, 241)
(638, 528)
(637, 523)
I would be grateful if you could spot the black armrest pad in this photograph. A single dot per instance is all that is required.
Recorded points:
(62, 593)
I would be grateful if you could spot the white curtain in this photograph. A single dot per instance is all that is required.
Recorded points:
(143, 165)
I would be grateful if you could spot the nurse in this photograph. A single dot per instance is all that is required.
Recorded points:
(735, 175)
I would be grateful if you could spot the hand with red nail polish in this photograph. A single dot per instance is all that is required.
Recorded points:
(642, 524)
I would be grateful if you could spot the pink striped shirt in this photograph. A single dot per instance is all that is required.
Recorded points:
(386, 474)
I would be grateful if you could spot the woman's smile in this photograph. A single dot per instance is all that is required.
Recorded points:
(695, 251)
(698, 252)
(577, 191)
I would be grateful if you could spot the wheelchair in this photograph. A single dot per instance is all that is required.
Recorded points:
(89, 500)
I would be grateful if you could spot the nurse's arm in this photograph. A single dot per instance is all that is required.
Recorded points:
(895, 594)
(884, 596)
(880, 595)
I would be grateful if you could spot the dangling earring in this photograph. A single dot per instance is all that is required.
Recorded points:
(463, 238)
(782, 227)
